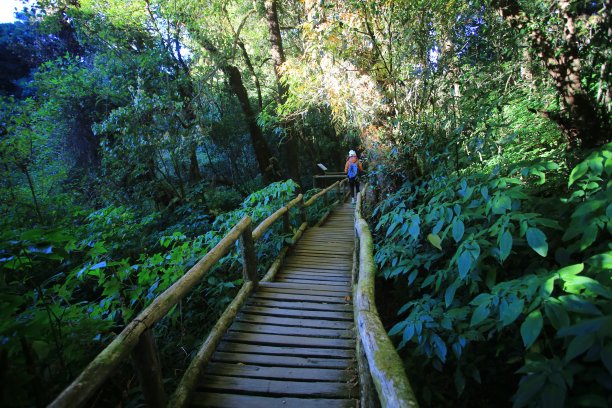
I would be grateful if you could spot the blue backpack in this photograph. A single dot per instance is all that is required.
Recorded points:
(352, 170)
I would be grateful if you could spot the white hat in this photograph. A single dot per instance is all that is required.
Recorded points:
(352, 153)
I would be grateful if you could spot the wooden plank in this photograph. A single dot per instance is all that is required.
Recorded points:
(298, 297)
(287, 341)
(281, 360)
(314, 278)
(297, 279)
(319, 288)
(298, 331)
(339, 271)
(277, 388)
(296, 322)
(240, 348)
(312, 314)
(318, 259)
(215, 400)
(301, 305)
(325, 266)
(322, 277)
(302, 292)
(272, 373)
(321, 273)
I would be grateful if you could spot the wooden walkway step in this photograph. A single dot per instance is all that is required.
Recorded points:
(293, 342)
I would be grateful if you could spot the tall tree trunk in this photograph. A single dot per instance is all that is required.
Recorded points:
(265, 160)
(278, 57)
(262, 151)
(581, 121)
(194, 166)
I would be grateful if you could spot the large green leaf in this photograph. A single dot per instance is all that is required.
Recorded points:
(537, 241)
(435, 240)
(531, 328)
(458, 229)
(512, 312)
(505, 245)
(481, 313)
(464, 263)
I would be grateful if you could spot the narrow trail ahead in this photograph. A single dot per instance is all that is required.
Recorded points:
(293, 343)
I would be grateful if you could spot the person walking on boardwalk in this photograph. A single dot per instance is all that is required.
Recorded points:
(352, 168)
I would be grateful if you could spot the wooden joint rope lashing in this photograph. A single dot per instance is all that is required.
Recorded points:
(385, 365)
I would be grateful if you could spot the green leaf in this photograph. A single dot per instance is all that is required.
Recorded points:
(458, 229)
(398, 327)
(435, 240)
(481, 313)
(556, 313)
(464, 263)
(505, 245)
(512, 312)
(578, 345)
(528, 388)
(606, 357)
(598, 324)
(501, 204)
(531, 328)
(578, 171)
(537, 241)
(570, 270)
(603, 261)
(449, 295)
(553, 396)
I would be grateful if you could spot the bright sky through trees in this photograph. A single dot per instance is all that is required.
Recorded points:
(7, 10)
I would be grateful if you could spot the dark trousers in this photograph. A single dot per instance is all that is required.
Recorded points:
(354, 186)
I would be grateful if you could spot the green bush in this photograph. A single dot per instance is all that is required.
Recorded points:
(487, 260)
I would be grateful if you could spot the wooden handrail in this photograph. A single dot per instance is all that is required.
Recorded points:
(138, 330)
(268, 222)
(315, 197)
(385, 365)
(96, 372)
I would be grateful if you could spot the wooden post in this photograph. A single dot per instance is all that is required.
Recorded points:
(286, 223)
(148, 366)
(303, 216)
(249, 260)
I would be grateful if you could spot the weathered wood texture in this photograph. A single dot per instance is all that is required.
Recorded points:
(293, 342)
(385, 365)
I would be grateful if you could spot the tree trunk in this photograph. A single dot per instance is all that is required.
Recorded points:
(194, 167)
(581, 122)
(262, 151)
(278, 57)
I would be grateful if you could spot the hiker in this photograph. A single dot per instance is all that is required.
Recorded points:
(352, 169)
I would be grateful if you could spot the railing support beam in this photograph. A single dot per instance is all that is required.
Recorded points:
(249, 259)
(146, 360)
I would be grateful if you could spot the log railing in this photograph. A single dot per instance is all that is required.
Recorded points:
(380, 361)
(137, 339)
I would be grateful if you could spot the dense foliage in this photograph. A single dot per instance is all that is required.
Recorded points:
(133, 135)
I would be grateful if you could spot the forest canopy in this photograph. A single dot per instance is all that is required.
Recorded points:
(134, 134)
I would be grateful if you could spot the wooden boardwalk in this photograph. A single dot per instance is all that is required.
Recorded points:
(293, 343)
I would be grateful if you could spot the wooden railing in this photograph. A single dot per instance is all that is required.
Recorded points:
(377, 357)
(137, 338)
